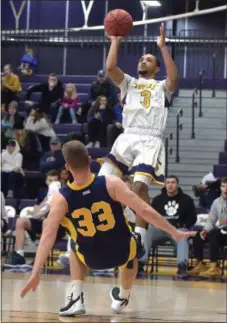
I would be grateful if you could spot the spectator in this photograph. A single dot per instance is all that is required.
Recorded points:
(207, 191)
(39, 124)
(99, 116)
(30, 146)
(101, 87)
(115, 129)
(4, 217)
(33, 225)
(11, 86)
(12, 172)
(215, 233)
(64, 176)
(52, 159)
(51, 93)
(179, 209)
(12, 116)
(69, 103)
(28, 63)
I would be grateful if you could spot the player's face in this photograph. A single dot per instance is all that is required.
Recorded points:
(171, 185)
(224, 190)
(147, 65)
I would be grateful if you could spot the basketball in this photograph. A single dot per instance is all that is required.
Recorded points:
(118, 22)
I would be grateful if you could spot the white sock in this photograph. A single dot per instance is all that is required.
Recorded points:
(69, 245)
(143, 233)
(20, 252)
(124, 293)
(77, 288)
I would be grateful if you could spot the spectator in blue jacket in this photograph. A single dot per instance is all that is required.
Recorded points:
(115, 129)
(53, 159)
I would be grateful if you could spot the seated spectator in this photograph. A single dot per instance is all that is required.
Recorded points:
(11, 117)
(12, 172)
(34, 225)
(69, 103)
(30, 146)
(207, 191)
(51, 93)
(64, 176)
(4, 217)
(215, 233)
(52, 159)
(179, 209)
(38, 123)
(28, 63)
(11, 87)
(99, 116)
(115, 129)
(101, 87)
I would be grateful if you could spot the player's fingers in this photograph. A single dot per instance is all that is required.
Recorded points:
(25, 290)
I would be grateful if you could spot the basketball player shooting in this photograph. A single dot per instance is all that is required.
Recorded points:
(100, 235)
(140, 148)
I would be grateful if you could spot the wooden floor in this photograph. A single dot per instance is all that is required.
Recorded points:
(151, 300)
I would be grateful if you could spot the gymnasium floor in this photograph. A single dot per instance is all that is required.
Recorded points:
(157, 300)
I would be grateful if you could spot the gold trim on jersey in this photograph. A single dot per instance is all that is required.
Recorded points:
(67, 223)
(132, 252)
(81, 187)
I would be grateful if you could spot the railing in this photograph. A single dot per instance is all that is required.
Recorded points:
(194, 105)
(168, 151)
(179, 127)
(201, 75)
(214, 75)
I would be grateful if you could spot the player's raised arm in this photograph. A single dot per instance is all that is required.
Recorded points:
(112, 70)
(58, 210)
(171, 69)
(120, 192)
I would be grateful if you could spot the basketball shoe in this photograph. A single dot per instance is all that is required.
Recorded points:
(75, 306)
(118, 304)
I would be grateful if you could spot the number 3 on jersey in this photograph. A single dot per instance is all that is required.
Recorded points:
(145, 98)
(86, 224)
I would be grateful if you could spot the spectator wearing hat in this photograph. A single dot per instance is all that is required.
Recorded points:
(12, 116)
(52, 159)
(12, 172)
(100, 87)
(30, 146)
(38, 123)
(11, 86)
(51, 93)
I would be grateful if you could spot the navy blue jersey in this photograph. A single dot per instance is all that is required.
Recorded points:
(97, 224)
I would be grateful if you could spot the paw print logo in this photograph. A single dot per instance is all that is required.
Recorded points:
(171, 208)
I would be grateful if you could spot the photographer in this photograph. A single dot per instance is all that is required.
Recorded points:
(215, 233)
(207, 191)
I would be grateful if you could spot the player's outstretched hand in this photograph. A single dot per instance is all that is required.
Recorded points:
(183, 234)
(32, 284)
(119, 38)
(161, 39)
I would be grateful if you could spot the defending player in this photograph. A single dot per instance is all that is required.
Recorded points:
(99, 231)
(140, 148)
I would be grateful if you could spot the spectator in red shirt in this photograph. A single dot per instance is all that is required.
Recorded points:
(69, 103)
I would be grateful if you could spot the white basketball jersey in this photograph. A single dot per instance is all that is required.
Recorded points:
(144, 106)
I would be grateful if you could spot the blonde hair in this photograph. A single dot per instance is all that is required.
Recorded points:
(74, 93)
